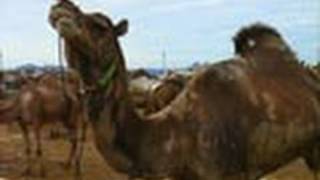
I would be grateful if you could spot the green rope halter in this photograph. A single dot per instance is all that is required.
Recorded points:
(106, 79)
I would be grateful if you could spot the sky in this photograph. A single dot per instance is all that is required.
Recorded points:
(188, 31)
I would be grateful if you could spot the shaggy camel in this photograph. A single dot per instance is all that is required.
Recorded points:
(48, 101)
(238, 119)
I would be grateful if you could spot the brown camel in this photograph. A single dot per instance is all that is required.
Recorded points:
(238, 119)
(47, 101)
(150, 95)
(8, 111)
(166, 91)
(137, 73)
(139, 88)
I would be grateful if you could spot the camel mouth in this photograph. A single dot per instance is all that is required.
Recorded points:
(64, 21)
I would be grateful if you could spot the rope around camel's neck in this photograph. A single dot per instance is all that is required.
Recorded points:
(109, 88)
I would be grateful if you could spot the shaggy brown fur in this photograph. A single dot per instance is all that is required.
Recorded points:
(238, 119)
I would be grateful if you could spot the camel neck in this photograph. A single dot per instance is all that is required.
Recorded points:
(114, 121)
(111, 87)
(116, 125)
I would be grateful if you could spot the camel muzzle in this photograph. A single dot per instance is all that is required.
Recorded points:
(64, 21)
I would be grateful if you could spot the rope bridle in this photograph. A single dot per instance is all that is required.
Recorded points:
(61, 68)
(105, 81)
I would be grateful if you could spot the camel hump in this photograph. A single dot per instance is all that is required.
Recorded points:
(257, 36)
(266, 51)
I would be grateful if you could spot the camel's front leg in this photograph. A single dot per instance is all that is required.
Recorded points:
(312, 159)
(72, 126)
(84, 124)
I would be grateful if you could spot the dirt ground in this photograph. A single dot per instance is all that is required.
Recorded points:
(12, 161)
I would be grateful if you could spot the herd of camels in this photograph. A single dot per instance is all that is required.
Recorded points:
(238, 119)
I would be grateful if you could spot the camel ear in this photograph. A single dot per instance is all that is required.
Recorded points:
(122, 27)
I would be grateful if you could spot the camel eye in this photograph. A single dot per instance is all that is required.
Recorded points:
(100, 21)
(99, 26)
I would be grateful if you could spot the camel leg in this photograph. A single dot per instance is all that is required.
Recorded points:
(312, 160)
(39, 150)
(81, 146)
(73, 124)
(26, 137)
(74, 143)
(189, 174)
(73, 152)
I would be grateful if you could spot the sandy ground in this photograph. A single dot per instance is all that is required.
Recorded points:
(12, 161)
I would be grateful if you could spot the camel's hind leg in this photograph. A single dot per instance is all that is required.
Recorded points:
(73, 124)
(73, 137)
(39, 151)
(26, 137)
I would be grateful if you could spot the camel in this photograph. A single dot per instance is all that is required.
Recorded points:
(149, 94)
(164, 92)
(8, 111)
(140, 86)
(238, 119)
(46, 101)
(138, 73)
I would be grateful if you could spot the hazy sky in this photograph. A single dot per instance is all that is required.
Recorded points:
(188, 30)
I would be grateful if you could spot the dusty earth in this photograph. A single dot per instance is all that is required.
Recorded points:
(12, 161)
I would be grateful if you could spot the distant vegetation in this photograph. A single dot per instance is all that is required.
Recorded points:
(318, 66)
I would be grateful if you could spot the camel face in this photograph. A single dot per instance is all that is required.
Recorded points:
(71, 22)
(65, 17)
(90, 39)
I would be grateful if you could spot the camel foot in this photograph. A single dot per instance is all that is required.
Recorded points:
(43, 173)
(77, 175)
(27, 173)
(78, 172)
(68, 165)
(77, 166)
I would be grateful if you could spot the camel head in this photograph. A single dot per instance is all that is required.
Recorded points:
(71, 22)
(66, 18)
(91, 40)
(257, 36)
